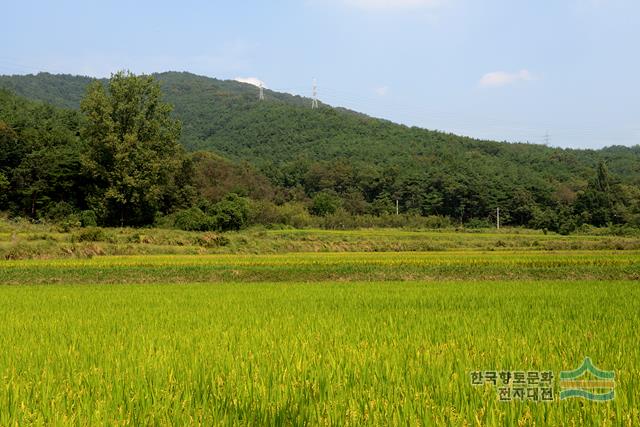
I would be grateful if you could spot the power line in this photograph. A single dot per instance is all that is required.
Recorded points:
(422, 116)
(11, 64)
(454, 122)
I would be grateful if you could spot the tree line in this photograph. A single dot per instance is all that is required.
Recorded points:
(120, 160)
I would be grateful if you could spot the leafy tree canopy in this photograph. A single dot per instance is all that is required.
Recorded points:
(134, 154)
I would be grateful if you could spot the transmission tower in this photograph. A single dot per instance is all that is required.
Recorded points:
(261, 96)
(314, 103)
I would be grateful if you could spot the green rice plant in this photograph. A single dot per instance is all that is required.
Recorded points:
(288, 353)
(310, 267)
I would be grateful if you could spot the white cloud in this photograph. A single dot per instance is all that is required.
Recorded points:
(382, 90)
(380, 5)
(503, 78)
(251, 80)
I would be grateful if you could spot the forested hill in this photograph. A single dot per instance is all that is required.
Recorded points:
(362, 161)
(226, 117)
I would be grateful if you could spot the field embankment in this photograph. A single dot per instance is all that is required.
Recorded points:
(29, 241)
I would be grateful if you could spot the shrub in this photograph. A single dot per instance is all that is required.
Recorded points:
(164, 221)
(59, 211)
(567, 227)
(141, 238)
(92, 234)
(4, 188)
(437, 222)
(339, 220)
(295, 215)
(383, 205)
(68, 223)
(622, 230)
(193, 219)
(232, 213)
(324, 204)
(478, 223)
(18, 251)
(212, 240)
(546, 219)
(88, 219)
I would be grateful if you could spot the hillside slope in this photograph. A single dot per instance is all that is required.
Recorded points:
(223, 115)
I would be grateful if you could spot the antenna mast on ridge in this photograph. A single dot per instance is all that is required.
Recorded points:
(261, 96)
(314, 103)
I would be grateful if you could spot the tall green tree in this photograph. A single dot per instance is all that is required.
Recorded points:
(599, 204)
(4, 189)
(133, 155)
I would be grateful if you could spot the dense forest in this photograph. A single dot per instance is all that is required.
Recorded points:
(200, 153)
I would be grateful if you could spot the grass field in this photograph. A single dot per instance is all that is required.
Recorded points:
(318, 338)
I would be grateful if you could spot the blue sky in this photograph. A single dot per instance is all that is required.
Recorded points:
(510, 70)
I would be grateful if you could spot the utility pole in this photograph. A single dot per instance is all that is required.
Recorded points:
(314, 103)
(546, 138)
(397, 207)
(261, 96)
(498, 218)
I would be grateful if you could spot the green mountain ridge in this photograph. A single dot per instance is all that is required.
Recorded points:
(189, 92)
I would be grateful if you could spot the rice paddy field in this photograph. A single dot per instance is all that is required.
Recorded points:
(329, 329)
